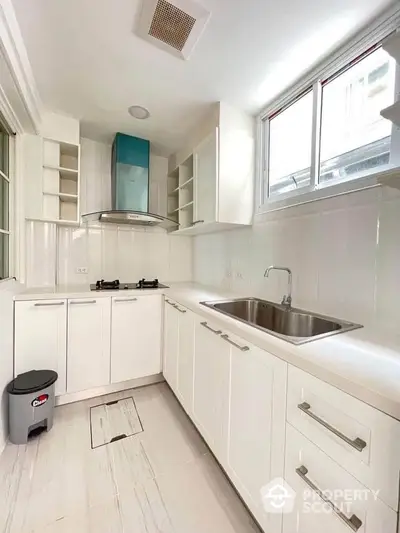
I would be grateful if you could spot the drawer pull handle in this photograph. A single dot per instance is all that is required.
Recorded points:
(83, 302)
(179, 309)
(48, 304)
(125, 300)
(354, 523)
(170, 303)
(216, 331)
(241, 348)
(358, 444)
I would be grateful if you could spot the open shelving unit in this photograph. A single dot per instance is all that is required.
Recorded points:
(180, 194)
(61, 166)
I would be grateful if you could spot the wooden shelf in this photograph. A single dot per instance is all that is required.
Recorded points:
(392, 46)
(71, 172)
(73, 198)
(186, 206)
(186, 183)
(53, 221)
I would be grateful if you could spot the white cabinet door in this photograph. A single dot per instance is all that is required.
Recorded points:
(171, 344)
(88, 355)
(310, 472)
(206, 179)
(41, 338)
(135, 337)
(257, 425)
(185, 358)
(211, 387)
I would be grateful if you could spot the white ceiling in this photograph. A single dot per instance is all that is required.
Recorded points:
(89, 63)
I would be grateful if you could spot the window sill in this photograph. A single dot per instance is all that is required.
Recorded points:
(389, 177)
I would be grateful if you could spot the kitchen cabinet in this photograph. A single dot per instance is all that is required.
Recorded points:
(88, 353)
(257, 418)
(221, 153)
(351, 432)
(309, 470)
(185, 358)
(206, 175)
(211, 386)
(41, 338)
(171, 344)
(135, 337)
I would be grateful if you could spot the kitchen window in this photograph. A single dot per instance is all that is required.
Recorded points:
(332, 132)
(4, 201)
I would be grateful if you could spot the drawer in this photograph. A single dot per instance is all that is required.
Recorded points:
(363, 440)
(344, 505)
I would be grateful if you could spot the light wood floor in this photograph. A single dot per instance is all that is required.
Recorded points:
(162, 480)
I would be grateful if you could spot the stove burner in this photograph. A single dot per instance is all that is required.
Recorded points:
(116, 285)
(102, 285)
(147, 284)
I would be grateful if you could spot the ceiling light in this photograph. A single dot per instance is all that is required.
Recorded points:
(139, 112)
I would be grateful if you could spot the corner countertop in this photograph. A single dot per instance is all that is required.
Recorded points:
(365, 362)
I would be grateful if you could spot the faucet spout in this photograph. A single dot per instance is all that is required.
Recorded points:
(287, 299)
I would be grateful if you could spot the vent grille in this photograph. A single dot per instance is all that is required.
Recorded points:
(171, 25)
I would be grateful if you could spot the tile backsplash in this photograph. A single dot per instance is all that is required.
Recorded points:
(54, 254)
(344, 253)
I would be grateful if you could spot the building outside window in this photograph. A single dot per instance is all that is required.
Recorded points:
(335, 125)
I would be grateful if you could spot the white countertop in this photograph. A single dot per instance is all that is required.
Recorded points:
(364, 363)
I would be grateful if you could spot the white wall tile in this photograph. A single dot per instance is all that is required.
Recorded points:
(339, 266)
(40, 254)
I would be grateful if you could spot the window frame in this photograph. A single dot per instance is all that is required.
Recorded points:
(355, 50)
(10, 181)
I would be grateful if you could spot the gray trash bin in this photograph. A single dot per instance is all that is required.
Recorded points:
(31, 403)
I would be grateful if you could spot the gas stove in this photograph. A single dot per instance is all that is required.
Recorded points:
(116, 285)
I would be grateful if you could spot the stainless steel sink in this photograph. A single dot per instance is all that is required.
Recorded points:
(293, 325)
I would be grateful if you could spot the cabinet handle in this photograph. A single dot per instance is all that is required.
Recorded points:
(354, 523)
(83, 302)
(48, 304)
(170, 303)
(179, 309)
(216, 331)
(197, 222)
(125, 300)
(357, 443)
(241, 348)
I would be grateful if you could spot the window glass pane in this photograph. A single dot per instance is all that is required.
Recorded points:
(3, 151)
(4, 255)
(355, 139)
(3, 204)
(290, 147)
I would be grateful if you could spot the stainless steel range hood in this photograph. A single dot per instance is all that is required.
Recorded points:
(132, 218)
(130, 186)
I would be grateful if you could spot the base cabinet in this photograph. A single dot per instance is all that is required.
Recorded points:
(257, 419)
(211, 387)
(347, 506)
(88, 354)
(135, 337)
(171, 344)
(41, 338)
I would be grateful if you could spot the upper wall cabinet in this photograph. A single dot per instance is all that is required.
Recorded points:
(52, 171)
(211, 182)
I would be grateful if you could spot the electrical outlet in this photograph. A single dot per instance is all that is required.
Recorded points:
(81, 270)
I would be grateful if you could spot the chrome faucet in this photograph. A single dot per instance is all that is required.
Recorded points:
(287, 299)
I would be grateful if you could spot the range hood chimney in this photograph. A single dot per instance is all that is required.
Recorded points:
(130, 186)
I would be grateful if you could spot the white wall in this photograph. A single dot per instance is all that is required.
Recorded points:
(344, 253)
(53, 253)
(7, 291)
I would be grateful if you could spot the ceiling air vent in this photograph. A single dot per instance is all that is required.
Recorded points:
(174, 26)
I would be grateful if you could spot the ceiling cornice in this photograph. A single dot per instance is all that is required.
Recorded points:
(13, 49)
